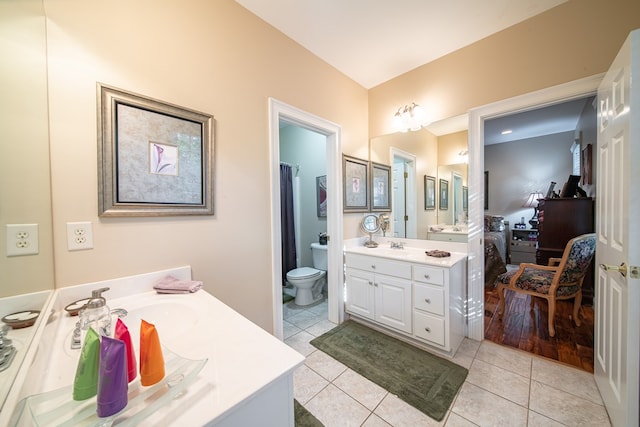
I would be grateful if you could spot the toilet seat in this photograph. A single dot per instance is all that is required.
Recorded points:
(304, 273)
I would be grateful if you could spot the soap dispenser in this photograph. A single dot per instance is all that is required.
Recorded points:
(96, 314)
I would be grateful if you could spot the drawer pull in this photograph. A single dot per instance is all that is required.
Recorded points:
(370, 283)
(426, 276)
(373, 266)
(427, 300)
(427, 329)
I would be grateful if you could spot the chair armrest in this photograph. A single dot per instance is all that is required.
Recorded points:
(554, 261)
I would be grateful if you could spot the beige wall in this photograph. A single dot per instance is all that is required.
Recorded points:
(24, 150)
(577, 39)
(211, 56)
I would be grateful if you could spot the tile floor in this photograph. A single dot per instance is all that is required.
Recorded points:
(504, 387)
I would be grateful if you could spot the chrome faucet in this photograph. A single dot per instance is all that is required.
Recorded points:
(7, 350)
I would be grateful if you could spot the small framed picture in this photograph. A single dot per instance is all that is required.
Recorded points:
(355, 178)
(444, 194)
(429, 193)
(380, 191)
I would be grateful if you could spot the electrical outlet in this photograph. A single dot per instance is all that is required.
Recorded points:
(22, 239)
(79, 236)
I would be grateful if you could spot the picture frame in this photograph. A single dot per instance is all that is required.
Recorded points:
(154, 158)
(444, 195)
(321, 196)
(355, 179)
(465, 198)
(486, 190)
(585, 165)
(429, 193)
(380, 189)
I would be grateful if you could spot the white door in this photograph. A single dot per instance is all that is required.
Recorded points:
(360, 293)
(399, 207)
(617, 301)
(393, 302)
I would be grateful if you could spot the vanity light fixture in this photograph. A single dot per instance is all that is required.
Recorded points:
(409, 118)
(532, 202)
(464, 156)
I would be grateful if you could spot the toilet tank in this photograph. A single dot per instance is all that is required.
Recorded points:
(319, 253)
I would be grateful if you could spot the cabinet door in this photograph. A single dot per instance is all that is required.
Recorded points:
(393, 302)
(360, 294)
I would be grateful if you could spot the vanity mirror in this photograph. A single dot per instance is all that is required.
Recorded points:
(24, 124)
(370, 224)
(438, 152)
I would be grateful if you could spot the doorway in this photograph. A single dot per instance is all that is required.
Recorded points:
(280, 112)
(404, 194)
(577, 89)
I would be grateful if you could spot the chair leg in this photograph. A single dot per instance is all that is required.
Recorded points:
(552, 313)
(502, 302)
(533, 301)
(577, 303)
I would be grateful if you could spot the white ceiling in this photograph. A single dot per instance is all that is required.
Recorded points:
(373, 41)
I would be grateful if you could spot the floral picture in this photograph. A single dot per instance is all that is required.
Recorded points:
(163, 159)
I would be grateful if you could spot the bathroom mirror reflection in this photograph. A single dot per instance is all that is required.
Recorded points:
(438, 151)
(24, 123)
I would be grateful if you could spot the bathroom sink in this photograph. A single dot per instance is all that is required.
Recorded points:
(173, 316)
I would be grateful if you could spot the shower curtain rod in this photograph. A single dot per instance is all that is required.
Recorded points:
(296, 166)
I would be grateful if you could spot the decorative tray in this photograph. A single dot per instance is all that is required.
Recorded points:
(57, 408)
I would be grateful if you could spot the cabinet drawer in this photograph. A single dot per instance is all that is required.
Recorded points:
(429, 298)
(428, 327)
(426, 274)
(379, 265)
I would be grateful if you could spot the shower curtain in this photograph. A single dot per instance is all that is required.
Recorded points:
(287, 221)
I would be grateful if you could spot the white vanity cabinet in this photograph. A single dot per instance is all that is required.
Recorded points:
(379, 290)
(419, 297)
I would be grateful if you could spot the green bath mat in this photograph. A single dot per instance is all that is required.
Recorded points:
(303, 417)
(423, 380)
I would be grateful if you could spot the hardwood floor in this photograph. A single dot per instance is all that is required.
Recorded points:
(526, 329)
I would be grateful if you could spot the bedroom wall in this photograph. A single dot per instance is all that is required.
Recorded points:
(519, 168)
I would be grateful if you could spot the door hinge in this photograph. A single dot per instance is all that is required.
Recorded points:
(406, 217)
(406, 175)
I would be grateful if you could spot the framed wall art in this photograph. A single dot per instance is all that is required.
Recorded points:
(444, 195)
(465, 198)
(429, 193)
(321, 196)
(154, 158)
(355, 180)
(380, 190)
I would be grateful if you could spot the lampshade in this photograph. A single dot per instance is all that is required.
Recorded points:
(532, 201)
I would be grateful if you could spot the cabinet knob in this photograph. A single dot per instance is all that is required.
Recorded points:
(426, 276)
(370, 283)
(427, 300)
(375, 284)
(427, 329)
(373, 266)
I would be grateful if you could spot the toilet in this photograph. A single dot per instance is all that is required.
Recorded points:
(309, 281)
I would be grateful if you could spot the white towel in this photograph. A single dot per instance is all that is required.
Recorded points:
(172, 285)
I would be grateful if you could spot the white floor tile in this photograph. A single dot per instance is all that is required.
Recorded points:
(566, 408)
(364, 391)
(325, 365)
(306, 384)
(333, 407)
(566, 378)
(504, 383)
(487, 409)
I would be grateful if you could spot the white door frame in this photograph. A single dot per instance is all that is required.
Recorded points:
(564, 92)
(280, 111)
(411, 226)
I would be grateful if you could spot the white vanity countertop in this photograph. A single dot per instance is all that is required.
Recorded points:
(409, 254)
(242, 358)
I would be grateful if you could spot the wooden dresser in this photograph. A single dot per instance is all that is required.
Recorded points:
(560, 220)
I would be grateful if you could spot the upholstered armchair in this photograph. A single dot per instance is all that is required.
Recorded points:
(560, 280)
